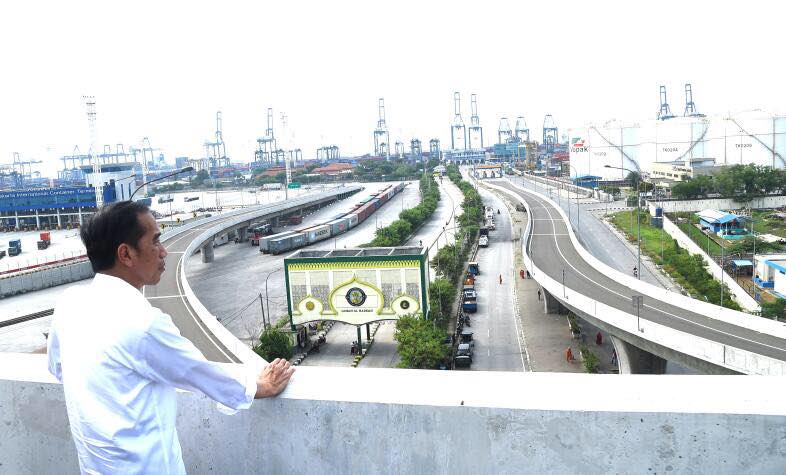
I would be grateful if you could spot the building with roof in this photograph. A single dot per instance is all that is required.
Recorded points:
(586, 181)
(487, 171)
(334, 169)
(726, 225)
(770, 273)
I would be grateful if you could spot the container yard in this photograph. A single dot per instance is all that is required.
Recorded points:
(340, 223)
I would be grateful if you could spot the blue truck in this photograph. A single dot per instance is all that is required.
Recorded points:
(15, 247)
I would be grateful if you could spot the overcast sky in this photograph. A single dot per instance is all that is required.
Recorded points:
(162, 69)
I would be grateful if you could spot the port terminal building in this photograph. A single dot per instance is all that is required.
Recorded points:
(65, 207)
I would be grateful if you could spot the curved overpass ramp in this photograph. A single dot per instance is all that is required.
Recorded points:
(677, 328)
(174, 296)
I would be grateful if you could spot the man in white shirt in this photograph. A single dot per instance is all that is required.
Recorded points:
(120, 359)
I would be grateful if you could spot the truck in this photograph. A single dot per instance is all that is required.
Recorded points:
(45, 239)
(483, 241)
(469, 300)
(473, 268)
(463, 357)
(15, 247)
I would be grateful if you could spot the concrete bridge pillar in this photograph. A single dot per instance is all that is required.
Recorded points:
(633, 360)
(551, 304)
(207, 252)
(242, 234)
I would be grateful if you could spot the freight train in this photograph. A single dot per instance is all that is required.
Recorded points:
(338, 224)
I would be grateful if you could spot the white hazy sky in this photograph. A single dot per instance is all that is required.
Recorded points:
(161, 69)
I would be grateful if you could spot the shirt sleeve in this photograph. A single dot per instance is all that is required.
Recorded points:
(172, 359)
(53, 352)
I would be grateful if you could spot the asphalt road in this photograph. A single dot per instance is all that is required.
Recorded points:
(553, 252)
(168, 293)
(494, 325)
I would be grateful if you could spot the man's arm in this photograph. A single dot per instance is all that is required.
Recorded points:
(53, 352)
(172, 359)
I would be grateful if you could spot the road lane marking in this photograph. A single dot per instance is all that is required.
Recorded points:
(201, 325)
(165, 297)
(645, 305)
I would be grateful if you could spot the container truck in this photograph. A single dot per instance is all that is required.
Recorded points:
(45, 240)
(15, 247)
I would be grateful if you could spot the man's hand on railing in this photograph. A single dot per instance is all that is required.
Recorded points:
(274, 378)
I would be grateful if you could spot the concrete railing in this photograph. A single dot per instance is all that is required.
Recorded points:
(352, 420)
(716, 353)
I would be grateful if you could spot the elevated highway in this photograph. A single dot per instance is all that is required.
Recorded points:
(174, 296)
(669, 325)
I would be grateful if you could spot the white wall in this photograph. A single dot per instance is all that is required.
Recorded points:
(767, 202)
(348, 420)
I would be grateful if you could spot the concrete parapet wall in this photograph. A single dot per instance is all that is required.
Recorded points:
(715, 353)
(349, 420)
(45, 277)
(764, 202)
(588, 193)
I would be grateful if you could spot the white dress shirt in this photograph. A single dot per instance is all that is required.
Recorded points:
(120, 360)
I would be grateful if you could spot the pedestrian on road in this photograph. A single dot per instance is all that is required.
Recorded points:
(613, 356)
(599, 339)
(500, 279)
(569, 355)
(121, 360)
(538, 295)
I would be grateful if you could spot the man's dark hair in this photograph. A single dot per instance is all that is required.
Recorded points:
(115, 224)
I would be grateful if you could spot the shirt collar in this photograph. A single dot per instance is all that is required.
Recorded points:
(115, 283)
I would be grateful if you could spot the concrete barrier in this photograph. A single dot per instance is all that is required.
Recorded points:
(355, 420)
(44, 277)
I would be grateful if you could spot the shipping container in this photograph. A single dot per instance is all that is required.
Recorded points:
(264, 243)
(317, 233)
(339, 226)
(296, 240)
(353, 219)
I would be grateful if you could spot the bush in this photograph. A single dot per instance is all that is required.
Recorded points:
(397, 232)
(420, 343)
(274, 343)
(588, 359)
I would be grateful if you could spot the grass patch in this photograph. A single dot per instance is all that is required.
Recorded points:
(688, 270)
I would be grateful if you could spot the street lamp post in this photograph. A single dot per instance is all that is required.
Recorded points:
(578, 210)
(267, 299)
(638, 219)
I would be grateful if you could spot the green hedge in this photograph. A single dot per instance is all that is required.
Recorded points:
(397, 232)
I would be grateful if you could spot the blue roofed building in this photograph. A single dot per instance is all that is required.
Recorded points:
(727, 225)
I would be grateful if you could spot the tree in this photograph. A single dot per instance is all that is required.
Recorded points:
(774, 310)
(200, 178)
(441, 293)
(274, 343)
(420, 344)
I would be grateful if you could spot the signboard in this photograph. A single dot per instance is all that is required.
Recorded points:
(294, 184)
(356, 289)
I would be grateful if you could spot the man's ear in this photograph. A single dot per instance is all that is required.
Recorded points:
(123, 255)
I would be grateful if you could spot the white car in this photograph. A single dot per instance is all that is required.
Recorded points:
(483, 241)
